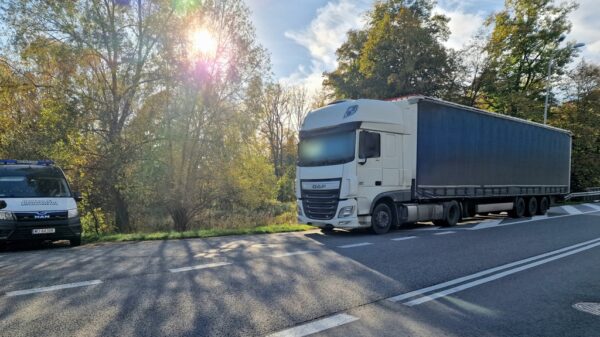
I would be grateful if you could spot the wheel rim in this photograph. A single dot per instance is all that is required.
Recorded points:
(532, 206)
(520, 206)
(383, 219)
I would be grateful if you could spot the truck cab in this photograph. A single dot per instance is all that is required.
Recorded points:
(351, 154)
(36, 203)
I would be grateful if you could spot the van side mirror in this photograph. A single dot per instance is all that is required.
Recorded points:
(77, 196)
(369, 145)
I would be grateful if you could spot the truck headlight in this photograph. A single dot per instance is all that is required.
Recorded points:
(72, 213)
(346, 212)
(4, 215)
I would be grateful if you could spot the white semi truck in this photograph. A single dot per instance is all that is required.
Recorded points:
(378, 164)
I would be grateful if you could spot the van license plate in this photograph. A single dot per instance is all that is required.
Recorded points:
(43, 231)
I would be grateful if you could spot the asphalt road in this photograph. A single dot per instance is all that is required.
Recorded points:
(489, 276)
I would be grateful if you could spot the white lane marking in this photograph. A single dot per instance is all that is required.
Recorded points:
(487, 224)
(200, 266)
(588, 307)
(571, 210)
(484, 272)
(53, 288)
(294, 253)
(535, 218)
(594, 206)
(356, 245)
(316, 326)
(444, 233)
(468, 285)
(404, 238)
(435, 228)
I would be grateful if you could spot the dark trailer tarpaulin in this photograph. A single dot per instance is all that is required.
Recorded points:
(467, 152)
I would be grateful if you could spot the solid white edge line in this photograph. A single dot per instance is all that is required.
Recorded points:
(361, 244)
(200, 266)
(316, 326)
(53, 288)
(495, 276)
(300, 252)
(403, 238)
(571, 210)
(444, 233)
(535, 218)
(484, 272)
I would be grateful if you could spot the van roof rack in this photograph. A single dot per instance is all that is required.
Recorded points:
(44, 162)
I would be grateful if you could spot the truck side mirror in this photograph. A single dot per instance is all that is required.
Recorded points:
(77, 196)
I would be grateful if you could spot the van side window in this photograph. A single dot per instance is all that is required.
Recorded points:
(369, 145)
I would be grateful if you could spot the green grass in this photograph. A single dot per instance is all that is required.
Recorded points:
(200, 233)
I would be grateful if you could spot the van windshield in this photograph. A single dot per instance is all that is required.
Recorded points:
(327, 149)
(33, 183)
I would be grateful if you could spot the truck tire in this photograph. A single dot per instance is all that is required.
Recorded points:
(382, 219)
(518, 209)
(532, 207)
(451, 214)
(543, 206)
(75, 242)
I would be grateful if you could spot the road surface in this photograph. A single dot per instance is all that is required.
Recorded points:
(489, 276)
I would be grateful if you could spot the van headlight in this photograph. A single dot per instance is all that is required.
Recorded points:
(72, 213)
(7, 216)
(346, 212)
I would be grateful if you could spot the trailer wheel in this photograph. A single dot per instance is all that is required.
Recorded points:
(381, 219)
(518, 209)
(544, 205)
(451, 214)
(532, 207)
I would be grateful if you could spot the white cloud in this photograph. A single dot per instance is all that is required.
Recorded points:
(586, 29)
(323, 36)
(462, 25)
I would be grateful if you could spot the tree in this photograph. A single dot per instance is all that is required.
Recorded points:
(400, 52)
(521, 45)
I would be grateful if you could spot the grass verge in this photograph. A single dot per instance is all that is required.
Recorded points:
(200, 233)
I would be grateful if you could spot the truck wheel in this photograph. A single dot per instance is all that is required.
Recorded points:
(451, 214)
(382, 219)
(532, 207)
(518, 209)
(544, 205)
(75, 242)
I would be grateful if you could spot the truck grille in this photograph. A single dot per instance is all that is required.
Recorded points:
(320, 204)
(41, 216)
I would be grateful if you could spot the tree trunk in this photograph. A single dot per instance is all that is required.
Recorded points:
(121, 211)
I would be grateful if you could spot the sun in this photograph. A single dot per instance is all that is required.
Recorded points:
(202, 42)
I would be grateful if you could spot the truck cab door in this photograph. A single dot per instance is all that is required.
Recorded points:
(369, 170)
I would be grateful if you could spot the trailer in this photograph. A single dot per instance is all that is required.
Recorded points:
(378, 164)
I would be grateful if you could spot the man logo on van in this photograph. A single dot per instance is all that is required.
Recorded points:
(350, 111)
(41, 215)
(318, 186)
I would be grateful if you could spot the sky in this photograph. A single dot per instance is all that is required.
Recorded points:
(303, 35)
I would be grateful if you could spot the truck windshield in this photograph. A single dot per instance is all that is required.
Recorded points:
(32, 183)
(328, 149)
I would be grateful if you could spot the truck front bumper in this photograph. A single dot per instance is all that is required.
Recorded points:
(23, 231)
(350, 222)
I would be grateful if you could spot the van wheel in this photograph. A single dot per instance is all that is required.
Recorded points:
(532, 207)
(544, 204)
(451, 214)
(518, 209)
(75, 242)
(381, 219)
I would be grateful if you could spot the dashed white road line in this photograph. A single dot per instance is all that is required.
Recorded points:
(53, 288)
(403, 238)
(356, 245)
(316, 326)
(200, 266)
(444, 233)
(300, 252)
(422, 291)
(495, 276)
(571, 210)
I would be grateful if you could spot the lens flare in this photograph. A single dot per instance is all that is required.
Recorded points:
(202, 43)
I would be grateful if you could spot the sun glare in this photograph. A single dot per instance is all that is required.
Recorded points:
(203, 42)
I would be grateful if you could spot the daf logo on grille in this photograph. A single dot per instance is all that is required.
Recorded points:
(318, 186)
(41, 215)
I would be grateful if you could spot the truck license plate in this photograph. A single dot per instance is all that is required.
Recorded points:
(43, 231)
